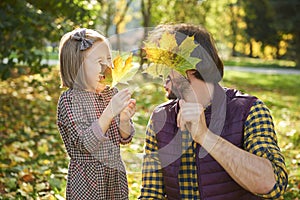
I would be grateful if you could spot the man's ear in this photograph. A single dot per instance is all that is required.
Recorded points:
(191, 75)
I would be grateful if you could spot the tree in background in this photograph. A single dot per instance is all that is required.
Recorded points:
(27, 27)
(259, 17)
(191, 11)
(172, 11)
(287, 22)
(234, 25)
(275, 24)
(120, 19)
(106, 14)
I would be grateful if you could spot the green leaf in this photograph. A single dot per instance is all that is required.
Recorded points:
(158, 70)
(168, 41)
(187, 47)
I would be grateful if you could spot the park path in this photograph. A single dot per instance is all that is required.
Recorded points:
(229, 68)
(262, 70)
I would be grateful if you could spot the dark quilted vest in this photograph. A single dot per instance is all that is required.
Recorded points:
(213, 181)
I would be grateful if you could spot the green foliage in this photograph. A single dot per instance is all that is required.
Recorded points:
(260, 18)
(287, 21)
(27, 27)
(287, 15)
(269, 22)
(259, 63)
(173, 11)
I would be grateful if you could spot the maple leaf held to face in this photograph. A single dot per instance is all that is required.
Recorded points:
(121, 73)
(166, 55)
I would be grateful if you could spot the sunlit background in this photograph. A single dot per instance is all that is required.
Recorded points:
(261, 35)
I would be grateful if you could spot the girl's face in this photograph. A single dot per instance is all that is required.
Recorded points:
(96, 60)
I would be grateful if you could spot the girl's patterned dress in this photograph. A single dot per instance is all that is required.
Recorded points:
(96, 170)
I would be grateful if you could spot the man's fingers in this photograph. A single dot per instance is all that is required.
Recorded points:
(180, 122)
(181, 103)
(178, 119)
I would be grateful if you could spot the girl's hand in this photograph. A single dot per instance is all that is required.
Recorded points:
(129, 111)
(118, 103)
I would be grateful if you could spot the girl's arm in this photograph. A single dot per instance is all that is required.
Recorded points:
(73, 124)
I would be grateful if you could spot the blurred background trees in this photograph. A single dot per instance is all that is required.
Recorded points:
(27, 28)
(267, 29)
(33, 161)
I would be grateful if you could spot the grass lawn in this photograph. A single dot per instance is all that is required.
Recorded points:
(33, 162)
(254, 62)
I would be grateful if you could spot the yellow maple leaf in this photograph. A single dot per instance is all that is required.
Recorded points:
(121, 73)
(167, 54)
(168, 41)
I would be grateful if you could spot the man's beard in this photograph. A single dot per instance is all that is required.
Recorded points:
(180, 87)
(171, 95)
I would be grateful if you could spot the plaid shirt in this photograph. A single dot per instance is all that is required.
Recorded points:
(259, 139)
(96, 170)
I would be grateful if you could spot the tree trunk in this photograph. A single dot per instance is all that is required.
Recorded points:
(251, 49)
(233, 24)
(117, 30)
(297, 62)
(146, 12)
(109, 13)
(297, 49)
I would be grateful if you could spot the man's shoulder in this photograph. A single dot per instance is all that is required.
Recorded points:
(235, 93)
(166, 111)
(169, 106)
(169, 103)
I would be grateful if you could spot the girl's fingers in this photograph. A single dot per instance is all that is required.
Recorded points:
(123, 94)
(132, 103)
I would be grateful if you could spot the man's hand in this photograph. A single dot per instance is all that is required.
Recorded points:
(191, 117)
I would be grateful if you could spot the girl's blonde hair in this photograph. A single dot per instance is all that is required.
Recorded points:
(71, 58)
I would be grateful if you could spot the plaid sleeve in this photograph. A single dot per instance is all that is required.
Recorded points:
(73, 125)
(260, 139)
(152, 178)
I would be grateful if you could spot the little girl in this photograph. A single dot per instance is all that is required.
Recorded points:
(92, 118)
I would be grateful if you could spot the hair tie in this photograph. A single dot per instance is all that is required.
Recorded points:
(80, 36)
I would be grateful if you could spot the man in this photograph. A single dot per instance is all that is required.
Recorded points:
(210, 142)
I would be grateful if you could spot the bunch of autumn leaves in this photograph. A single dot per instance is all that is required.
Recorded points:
(163, 56)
